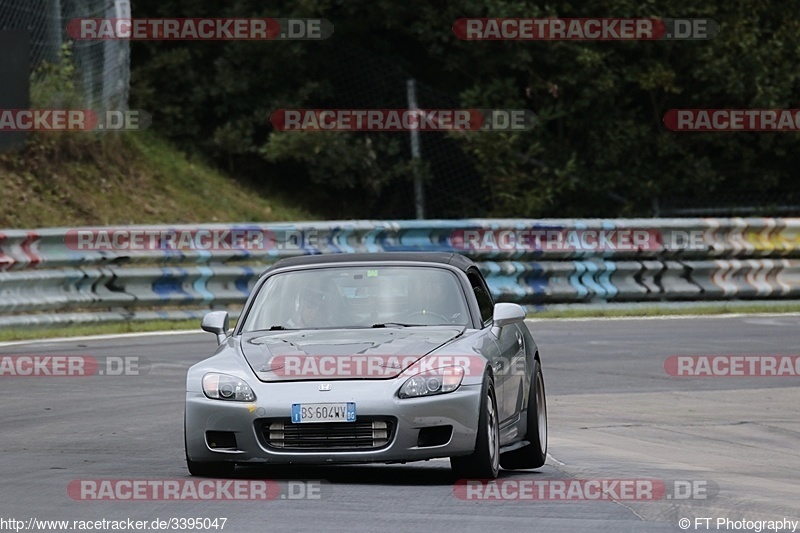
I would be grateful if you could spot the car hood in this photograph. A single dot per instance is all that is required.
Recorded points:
(272, 355)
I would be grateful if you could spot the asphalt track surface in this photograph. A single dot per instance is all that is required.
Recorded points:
(614, 413)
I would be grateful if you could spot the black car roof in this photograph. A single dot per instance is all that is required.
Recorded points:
(448, 258)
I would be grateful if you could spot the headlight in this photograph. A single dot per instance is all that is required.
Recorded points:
(439, 381)
(225, 387)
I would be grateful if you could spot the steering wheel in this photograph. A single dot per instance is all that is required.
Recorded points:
(429, 313)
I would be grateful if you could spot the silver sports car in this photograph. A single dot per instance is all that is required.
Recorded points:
(356, 358)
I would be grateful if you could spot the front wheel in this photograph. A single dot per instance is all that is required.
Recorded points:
(532, 455)
(484, 462)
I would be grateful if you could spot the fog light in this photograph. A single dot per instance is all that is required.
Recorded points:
(221, 439)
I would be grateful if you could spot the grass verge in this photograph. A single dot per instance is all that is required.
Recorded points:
(173, 325)
(718, 309)
(68, 179)
(13, 334)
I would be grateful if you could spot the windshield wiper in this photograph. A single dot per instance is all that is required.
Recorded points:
(277, 328)
(396, 325)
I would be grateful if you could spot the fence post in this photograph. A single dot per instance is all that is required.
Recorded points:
(419, 191)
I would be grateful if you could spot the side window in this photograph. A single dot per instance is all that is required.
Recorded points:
(483, 296)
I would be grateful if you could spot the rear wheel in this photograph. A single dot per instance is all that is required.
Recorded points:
(484, 462)
(532, 455)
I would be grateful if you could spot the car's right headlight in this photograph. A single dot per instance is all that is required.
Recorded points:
(225, 387)
(439, 381)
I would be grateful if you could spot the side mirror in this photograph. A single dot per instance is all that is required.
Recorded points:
(217, 322)
(506, 314)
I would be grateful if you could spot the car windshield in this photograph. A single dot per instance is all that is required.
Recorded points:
(358, 297)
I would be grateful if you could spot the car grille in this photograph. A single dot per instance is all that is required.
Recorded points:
(359, 435)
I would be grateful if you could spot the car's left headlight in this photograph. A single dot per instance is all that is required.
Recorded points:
(439, 381)
(225, 387)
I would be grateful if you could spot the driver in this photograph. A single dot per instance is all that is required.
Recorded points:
(310, 310)
(433, 299)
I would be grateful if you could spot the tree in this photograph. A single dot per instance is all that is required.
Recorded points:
(600, 148)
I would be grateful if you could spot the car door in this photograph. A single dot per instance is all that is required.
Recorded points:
(500, 359)
(512, 350)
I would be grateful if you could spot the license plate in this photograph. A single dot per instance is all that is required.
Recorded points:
(323, 412)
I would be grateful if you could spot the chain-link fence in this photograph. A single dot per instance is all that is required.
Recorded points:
(778, 200)
(101, 72)
(451, 184)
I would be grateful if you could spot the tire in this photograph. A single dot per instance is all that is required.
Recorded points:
(534, 454)
(484, 462)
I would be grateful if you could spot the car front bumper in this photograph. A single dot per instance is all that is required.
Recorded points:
(373, 399)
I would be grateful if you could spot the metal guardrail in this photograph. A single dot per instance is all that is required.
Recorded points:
(70, 275)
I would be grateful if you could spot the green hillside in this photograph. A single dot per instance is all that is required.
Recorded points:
(75, 179)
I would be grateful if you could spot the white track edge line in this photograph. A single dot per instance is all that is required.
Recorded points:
(57, 340)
